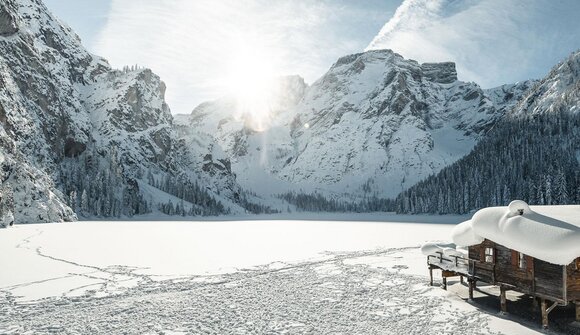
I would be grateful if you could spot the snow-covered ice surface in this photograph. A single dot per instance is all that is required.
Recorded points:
(232, 277)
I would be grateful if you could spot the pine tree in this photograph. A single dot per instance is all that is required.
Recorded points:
(85, 203)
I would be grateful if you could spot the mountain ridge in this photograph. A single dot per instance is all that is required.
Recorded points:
(394, 98)
(79, 137)
(539, 160)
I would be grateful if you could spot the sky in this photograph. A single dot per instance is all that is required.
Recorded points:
(493, 42)
(204, 49)
(201, 48)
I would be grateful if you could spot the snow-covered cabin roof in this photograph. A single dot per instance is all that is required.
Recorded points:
(549, 233)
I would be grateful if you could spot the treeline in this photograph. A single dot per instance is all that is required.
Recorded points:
(94, 186)
(203, 202)
(532, 158)
(6, 198)
(181, 209)
(316, 202)
(255, 208)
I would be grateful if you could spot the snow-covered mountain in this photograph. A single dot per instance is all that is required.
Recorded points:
(80, 137)
(533, 153)
(373, 125)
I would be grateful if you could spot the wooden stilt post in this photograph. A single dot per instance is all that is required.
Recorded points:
(461, 279)
(535, 304)
(503, 300)
(445, 283)
(577, 310)
(471, 283)
(544, 308)
(431, 276)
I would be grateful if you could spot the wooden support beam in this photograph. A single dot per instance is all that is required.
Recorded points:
(502, 298)
(551, 308)
(471, 283)
(461, 279)
(431, 276)
(535, 304)
(445, 283)
(447, 273)
(577, 310)
(544, 309)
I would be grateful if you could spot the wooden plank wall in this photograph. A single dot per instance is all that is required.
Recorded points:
(537, 276)
(548, 279)
(573, 272)
(483, 271)
(508, 271)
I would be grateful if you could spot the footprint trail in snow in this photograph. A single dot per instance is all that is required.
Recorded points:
(318, 297)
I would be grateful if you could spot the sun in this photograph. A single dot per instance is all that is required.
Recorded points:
(251, 80)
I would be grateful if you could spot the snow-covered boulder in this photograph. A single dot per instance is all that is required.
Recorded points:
(549, 233)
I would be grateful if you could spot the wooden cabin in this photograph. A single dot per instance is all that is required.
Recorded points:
(510, 269)
(496, 239)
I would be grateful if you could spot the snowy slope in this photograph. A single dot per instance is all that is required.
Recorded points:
(559, 91)
(373, 125)
(77, 134)
(379, 120)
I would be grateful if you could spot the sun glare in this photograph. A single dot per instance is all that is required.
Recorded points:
(251, 82)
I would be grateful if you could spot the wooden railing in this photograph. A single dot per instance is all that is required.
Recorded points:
(434, 259)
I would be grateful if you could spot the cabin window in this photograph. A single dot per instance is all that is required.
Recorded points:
(521, 260)
(489, 255)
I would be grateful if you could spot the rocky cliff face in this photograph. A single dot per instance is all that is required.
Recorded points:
(373, 125)
(74, 129)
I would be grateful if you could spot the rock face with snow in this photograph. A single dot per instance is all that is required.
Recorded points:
(378, 123)
(373, 125)
(531, 154)
(78, 136)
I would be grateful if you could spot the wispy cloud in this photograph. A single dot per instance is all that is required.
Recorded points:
(492, 41)
(191, 44)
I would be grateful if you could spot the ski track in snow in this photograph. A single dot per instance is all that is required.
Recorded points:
(316, 297)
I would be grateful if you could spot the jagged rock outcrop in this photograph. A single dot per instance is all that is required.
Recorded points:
(8, 22)
(443, 73)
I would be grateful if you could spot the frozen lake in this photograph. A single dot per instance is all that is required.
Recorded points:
(42, 260)
(215, 277)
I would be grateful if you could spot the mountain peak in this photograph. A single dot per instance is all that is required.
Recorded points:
(370, 54)
(442, 73)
